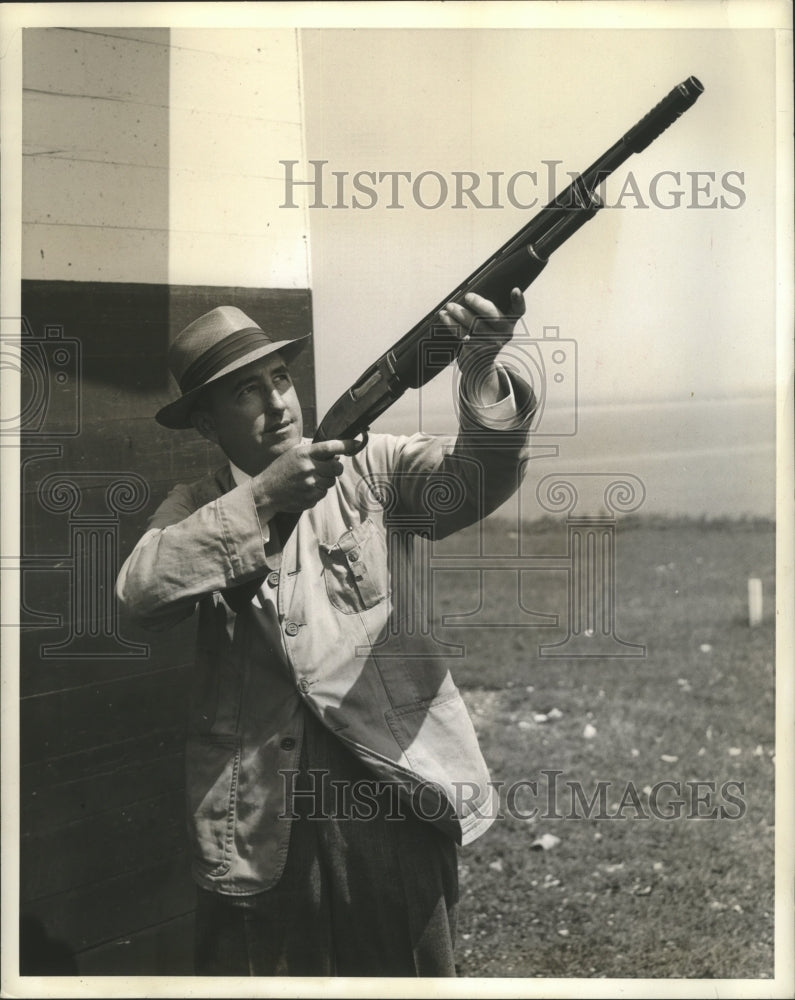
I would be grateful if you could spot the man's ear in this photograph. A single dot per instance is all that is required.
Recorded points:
(203, 421)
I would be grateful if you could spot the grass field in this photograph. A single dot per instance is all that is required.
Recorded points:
(624, 893)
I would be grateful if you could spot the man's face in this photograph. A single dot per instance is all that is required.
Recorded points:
(253, 414)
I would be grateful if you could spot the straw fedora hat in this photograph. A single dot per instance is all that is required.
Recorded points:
(217, 343)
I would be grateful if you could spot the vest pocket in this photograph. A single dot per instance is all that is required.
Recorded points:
(355, 569)
(212, 765)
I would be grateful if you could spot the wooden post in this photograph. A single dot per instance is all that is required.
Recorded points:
(754, 601)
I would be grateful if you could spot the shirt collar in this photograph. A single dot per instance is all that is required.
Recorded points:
(238, 475)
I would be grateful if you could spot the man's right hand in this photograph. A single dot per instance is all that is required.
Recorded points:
(296, 480)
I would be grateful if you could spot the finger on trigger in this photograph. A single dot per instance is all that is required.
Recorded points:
(325, 450)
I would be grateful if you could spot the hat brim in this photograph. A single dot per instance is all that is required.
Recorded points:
(176, 415)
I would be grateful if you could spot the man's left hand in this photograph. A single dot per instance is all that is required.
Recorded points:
(485, 330)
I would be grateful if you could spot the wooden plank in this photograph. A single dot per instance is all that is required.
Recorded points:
(258, 205)
(106, 911)
(54, 725)
(92, 193)
(92, 253)
(98, 762)
(164, 950)
(48, 578)
(199, 254)
(110, 789)
(105, 317)
(119, 67)
(47, 675)
(140, 446)
(257, 69)
(247, 131)
(91, 506)
(161, 461)
(152, 36)
(129, 428)
(102, 846)
(94, 128)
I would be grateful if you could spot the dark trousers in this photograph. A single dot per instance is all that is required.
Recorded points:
(360, 896)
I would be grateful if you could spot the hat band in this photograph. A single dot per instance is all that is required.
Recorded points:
(216, 358)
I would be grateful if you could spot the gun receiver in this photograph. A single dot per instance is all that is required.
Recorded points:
(429, 346)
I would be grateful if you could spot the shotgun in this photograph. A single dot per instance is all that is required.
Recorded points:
(430, 346)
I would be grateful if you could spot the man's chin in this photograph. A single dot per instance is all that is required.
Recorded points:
(283, 442)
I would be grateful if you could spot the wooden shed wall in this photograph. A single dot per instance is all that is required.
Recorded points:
(114, 265)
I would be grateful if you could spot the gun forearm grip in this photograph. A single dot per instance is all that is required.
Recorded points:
(521, 266)
(516, 270)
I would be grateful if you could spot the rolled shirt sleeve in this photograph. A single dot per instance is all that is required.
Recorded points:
(502, 415)
(188, 552)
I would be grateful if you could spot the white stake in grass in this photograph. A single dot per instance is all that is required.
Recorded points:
(754, 601)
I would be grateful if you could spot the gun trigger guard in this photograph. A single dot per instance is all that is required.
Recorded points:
(363, 443)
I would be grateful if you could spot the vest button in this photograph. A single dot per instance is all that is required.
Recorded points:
(291, 628)
(288, 743)
(273, 579)
(303, 685)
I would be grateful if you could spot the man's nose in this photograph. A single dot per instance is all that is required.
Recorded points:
(274, 401)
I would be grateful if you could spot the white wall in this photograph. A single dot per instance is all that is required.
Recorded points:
(95, 146)
(151, 155)
(235, 112)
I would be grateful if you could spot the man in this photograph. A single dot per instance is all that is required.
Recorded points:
(311, 677)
